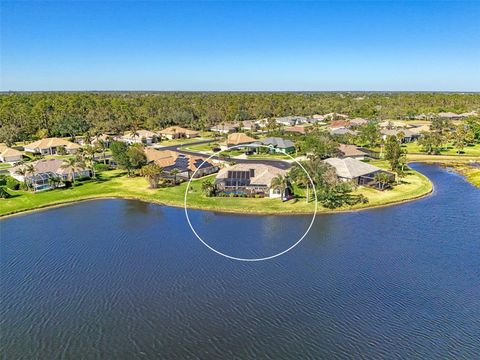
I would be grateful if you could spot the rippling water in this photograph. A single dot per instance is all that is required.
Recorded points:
(115, 279)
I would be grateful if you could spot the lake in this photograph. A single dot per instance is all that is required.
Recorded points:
(118, 279)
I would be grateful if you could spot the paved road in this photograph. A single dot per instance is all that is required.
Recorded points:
(277, 163)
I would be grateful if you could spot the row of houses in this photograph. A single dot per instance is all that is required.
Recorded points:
(257, 179)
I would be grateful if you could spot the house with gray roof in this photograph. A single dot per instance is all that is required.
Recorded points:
(277, 144)
(359, 172)
(291, 120)
(406, 135)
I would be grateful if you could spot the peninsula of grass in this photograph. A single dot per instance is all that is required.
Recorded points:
(115, 184)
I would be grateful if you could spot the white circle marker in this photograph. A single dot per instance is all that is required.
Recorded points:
(250, 259)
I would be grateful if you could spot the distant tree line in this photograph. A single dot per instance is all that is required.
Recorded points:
(26, 116)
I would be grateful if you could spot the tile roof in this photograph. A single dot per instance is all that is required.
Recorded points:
(278, 142)
(350, 150)
(7, 151)
(51, 142)
(47, 166)
(174, 160)
(349, 168)
(239, 138)
(263, 174)
(173, 130)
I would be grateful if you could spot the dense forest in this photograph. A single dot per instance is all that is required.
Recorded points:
(25, 116)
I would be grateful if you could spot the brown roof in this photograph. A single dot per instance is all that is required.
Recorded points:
(166, 158)
(239, 138)
(350, 150)
(339, 124)
(297, 129)
(51, 142)
(172, 130)
(7, 151)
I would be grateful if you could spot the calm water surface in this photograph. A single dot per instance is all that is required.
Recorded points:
(115, 279)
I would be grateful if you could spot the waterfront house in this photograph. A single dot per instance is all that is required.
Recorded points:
(361, 173)
(145, 137)
(44, 170)
(249, 179)
(9, 155)
(51, 146)
(277, 144)
(184, 165)
(351, 151)
(175, 132)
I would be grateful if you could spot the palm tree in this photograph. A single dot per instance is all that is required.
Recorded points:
(72, 165)
(208, 187)
(54, 181)
(279, 182)
(30, 169)
(89, 158)
(382, 179)
(102, 146)
(23, 173)
(152, 173)
(174, 172)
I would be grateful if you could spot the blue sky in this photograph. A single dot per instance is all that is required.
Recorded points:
(120, 45)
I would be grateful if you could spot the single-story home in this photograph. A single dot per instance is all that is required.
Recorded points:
(174, 132)
(291, 120)
(50, 146)
(237, 139)
(361, 173)
(145, 137)
(9, 155)
(105, 138)
(343, 131)
(334, 116)
(407, 135)
(339, 124)
(225, 128)
(351, 151)
(277, 144)
(249, 125)
(45, 169)
(249, 179)
(358, 122)
(297, 129)
(184, 164)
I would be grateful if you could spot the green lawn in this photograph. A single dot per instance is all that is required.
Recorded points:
(180, 141)
(415, 148)
(202, 147)
(116, 184)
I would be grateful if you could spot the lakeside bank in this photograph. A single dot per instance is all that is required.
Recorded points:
(115, 184)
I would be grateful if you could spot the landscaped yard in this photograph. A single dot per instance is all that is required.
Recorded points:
(116, 184)
(180, 141)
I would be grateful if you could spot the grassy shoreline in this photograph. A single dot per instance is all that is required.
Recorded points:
(114, 184)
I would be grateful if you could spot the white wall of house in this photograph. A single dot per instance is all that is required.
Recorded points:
(10, 159)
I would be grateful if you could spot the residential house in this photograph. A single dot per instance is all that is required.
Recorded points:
(361, 173)
(225, 128)
(185, 165)
(339, 124)
(145, 137)
(342, 131)
(358, 122)
(406, 135)
(291, 120)
(335, 116)
(51, 146)
(9, 155)
(249, 125)
(237, 139)
(175, 132)
(351, 151)
(44, 170)
(249, 179)
(297, 129)
(277, 144)
(388, 124)
(449, 116)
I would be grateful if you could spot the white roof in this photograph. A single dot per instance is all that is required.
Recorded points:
(349, 168)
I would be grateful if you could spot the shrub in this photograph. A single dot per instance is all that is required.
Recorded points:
(3, 180)
(4, 193)
(101, 167)
(12, 184)
(23, 186)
